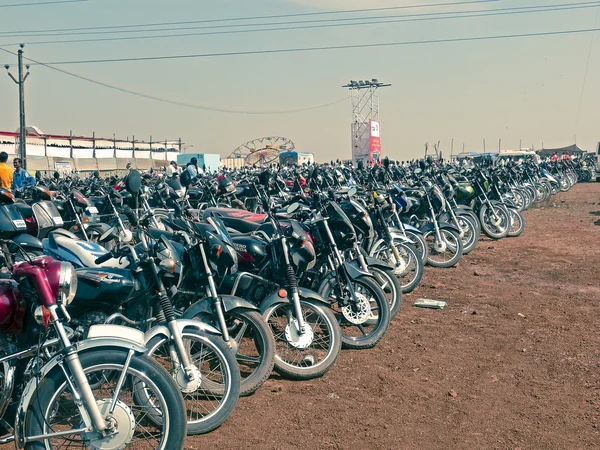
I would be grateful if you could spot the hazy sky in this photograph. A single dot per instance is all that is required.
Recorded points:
(525, 89)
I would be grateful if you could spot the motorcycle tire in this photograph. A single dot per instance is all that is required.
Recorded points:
(370, 309)
(388, 282)
(248, 326)
(296, 355)
(54, 388)
(453, 249)
(489, 228)
(221, 389)
(517, 223)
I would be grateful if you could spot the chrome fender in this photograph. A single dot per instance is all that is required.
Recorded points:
(163, 330)
(104, 336)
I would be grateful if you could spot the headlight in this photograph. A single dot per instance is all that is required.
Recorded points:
(67, 281)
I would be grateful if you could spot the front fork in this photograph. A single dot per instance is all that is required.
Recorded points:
(82, 391)
(216, 300)
(456, 222)
(293, 285)
(176, 335)
(388, 235)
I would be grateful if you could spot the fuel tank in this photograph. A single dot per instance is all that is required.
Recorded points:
(252, 252)
(12, 308)
(102, 288)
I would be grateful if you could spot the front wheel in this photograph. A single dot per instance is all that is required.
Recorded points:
(364, 316)
(517, 223)
(446, 251)
(157, 422)
(471, 233)
(309, 354)
(409, 269)
(494, 223)
(212, 395)
(254, 345)
(388, 282)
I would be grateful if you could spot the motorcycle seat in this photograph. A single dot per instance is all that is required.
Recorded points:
(243, 226)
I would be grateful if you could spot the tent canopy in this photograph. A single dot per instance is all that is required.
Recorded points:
(572, 149)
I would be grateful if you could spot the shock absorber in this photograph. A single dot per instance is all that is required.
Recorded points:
(292, 281)
(167, 307)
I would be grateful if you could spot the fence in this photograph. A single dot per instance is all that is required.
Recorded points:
(48, 154)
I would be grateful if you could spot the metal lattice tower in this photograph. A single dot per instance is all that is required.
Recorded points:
(365, 107)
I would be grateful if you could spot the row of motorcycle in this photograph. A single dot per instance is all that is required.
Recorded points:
(134, 311)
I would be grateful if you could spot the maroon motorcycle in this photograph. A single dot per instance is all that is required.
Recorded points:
(100, 393)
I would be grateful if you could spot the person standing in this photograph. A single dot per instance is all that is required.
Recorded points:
(21, 178)
(6, 173)
(192, 168)
(172, 169)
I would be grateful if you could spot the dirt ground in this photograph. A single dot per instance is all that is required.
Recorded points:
(513, 362)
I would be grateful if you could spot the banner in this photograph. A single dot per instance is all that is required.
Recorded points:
(375, 141)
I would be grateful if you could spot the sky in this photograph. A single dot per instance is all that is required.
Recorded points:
(527, 91)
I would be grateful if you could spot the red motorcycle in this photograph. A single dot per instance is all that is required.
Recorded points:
(99, 393)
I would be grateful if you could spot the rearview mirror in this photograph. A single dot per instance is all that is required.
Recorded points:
(293, 208)
(109, 235)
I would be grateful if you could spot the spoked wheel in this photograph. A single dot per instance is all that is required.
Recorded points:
(470, 233)
(409, 269)
(495, 224)
(540, 192)
(388, 282)
(418, 243)
(445, 252)
(363, 318)
(517, 223)
(308, 354)
(254, 346)
(155, 420)
(212, 395)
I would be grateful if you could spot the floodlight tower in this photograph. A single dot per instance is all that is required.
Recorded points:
(366, 127)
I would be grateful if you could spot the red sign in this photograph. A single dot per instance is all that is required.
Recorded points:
(375, 140)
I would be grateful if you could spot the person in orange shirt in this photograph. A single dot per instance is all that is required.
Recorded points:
(6, 173)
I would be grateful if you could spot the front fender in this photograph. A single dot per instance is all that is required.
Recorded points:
(443, 226)
(412, 228)
(402, 238)
(106, 337)
(304, 293)
(230, 302)
(183, 324)
(272, 300)
(354, 270)
(313, 296)
(374, 262)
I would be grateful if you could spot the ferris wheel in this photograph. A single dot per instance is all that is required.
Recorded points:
(263, 150)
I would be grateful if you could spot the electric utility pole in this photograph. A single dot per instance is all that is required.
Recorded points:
(21, 83)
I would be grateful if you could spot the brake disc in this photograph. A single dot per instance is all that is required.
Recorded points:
(358, 312)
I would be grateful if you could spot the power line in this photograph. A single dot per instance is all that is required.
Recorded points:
(180, 103)
(53, 2)
(469, 14)
(408, 17)
(278, 16)
(325, 48)
(203, 27)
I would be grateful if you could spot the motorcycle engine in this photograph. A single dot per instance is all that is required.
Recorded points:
(88, 319)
